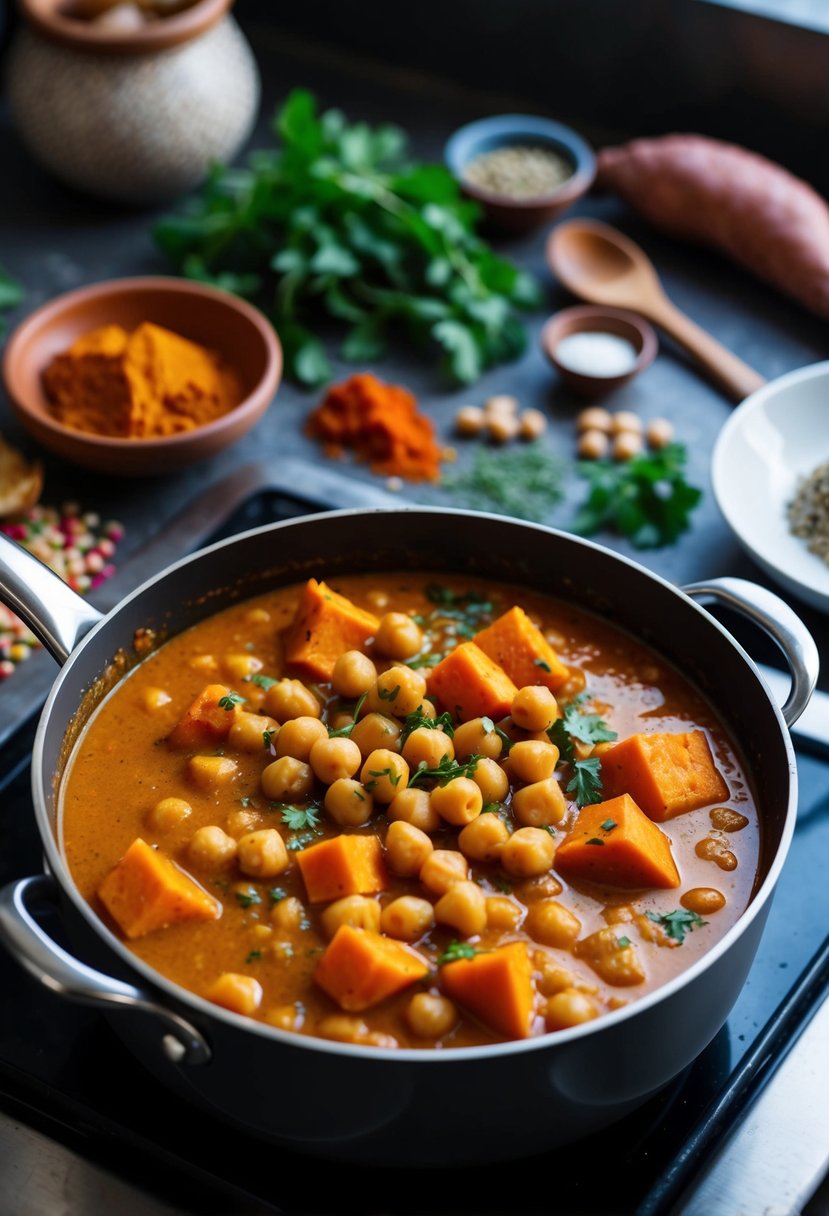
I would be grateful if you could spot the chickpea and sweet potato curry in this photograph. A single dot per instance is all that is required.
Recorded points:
(397, 812)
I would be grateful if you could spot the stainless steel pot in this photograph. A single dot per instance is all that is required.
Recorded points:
(367, 1104)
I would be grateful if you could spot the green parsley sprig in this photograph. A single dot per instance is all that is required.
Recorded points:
(447, 770)
(344, 226)
(677, 923)
(575, 725)
(646, 499)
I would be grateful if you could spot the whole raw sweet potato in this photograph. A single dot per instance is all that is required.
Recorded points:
(736, 201)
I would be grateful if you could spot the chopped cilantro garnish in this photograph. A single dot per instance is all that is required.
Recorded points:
(275, 894)
(417, 720)
(586, 783)
(230, 701)
(456, 950)
(447, 770)
(677, 923)
(267, 737)
(298, 817)
(624, 942)
(540, 663)
(265, 682)
(248, 897)
(377, 773)
(253, 956)
(389, 695)
(345, 731)
(595, 840)
(608, 825)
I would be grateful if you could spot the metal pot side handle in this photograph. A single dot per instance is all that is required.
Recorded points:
(58, 971)
(56, 614)
(780, 622)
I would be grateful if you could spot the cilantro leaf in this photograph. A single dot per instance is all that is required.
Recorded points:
(447, 770)
(417, 720)
(586, 783)
(345, 731)
(646, 499)
(456, 950)
(677, 923)
(298, 817)
(230, 701)
(260, 681)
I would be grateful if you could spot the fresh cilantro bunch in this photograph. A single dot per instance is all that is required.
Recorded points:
(586, 783)
(646, 498)
(342, 225)
(11, 294)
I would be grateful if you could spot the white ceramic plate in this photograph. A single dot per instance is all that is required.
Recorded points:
(773, 440)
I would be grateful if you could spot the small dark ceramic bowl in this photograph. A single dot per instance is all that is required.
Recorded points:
(588, 318)
(528, 130)
(238, 332)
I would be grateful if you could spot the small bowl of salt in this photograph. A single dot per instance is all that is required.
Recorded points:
(597, 350)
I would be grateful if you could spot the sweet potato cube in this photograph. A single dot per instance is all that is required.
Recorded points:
(343, 865)
(147, 891)
(468, 684)
(360, 968)
(325, 625)
(615, 843)
(206, 722)
(496, 986)
(519, 646)
(665, 774)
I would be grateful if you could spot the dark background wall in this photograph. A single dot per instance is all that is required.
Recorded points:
(619, 67)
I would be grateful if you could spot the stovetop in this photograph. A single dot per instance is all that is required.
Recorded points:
(65, 1072)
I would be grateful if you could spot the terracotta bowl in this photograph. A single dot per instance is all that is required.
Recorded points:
(505, 130)
(216, 319)
(595, 319)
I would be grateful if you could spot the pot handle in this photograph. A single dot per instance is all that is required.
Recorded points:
(56, 614)
(784, 626)
(58, 971)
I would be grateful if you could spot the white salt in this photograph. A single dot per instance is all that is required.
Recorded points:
(595, 353)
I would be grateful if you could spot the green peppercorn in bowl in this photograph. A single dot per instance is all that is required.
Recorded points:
(523, 169)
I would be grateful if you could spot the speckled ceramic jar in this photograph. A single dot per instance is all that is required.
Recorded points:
(136, 115)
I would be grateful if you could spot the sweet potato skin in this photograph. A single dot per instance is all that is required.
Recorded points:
(724, 196)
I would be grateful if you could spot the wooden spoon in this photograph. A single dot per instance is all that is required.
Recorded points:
(601, 265)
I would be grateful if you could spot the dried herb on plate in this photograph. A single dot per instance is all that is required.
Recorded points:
(646, 499)
(526, 483)
(343, 225)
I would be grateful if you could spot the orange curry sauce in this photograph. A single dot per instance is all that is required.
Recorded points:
(268, 931)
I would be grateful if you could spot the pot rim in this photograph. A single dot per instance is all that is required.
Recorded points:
(182, 996)
(47, 17)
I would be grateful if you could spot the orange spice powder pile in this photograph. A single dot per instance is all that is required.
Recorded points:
(381, 424)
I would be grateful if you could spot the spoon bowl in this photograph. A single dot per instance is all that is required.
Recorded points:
(603, 266)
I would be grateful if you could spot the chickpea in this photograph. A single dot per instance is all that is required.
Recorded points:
(442, 868)
(376, 731)
(205, 663)
(711, 849)
(384, 773)
(334, 759)
(285, 1017)
(725, 820)
(291, 699)
(543, 886)
(501, 428)
(528, 852)
(459, 801)
(407, 918)
(427, 709)
(257, 616)
(207, 773)
(532, 760)
(618, 914)
(491, 780)
(550, 923)
(431, 1016)
(262, 854)
(483, 838)
(703, 900)
(287, 780)
(626, 445)
(534, 708)
(247, 734)
(240, 822)
(348, 802)
(168, 814)
(356, 910)
(398, 636)
(298, 736)
(593, 445)
(414, 806)
(612, 956)
(237, 666)
(503, 913)
(426, 744)
(569, 1008)
(531, 424)
(539, 805)
(379, 600)
(343, 1029)
(155, 699)
(398, 691)
(354, 674)
(594, 418)
(659, 433)
(288, 914)
(625, 420)
(407, 847)
(463, 907)
(238, 993)
(552, 978)
(469, 421)
(473, 738)
(210, 846)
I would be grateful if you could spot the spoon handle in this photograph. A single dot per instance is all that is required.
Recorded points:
(736, 378)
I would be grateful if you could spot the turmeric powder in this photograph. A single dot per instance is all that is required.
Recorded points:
(146, 384)
(382, 424)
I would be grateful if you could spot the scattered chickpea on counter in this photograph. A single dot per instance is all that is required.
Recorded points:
(500, 420)
(621, 436)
